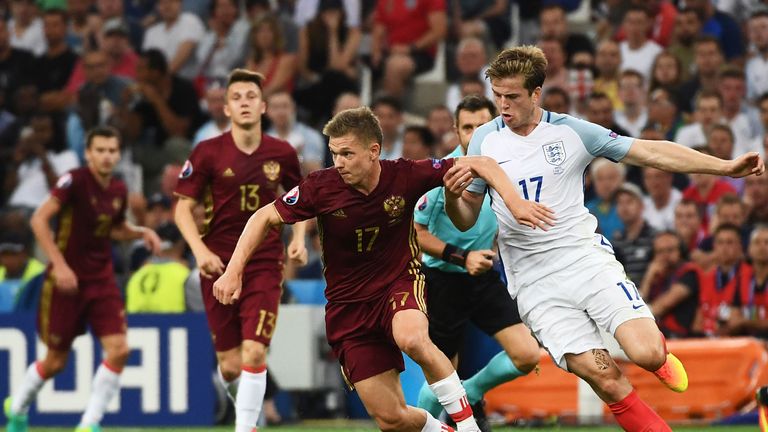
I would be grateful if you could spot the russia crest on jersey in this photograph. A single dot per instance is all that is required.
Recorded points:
(292, 196)
(186, 170)
(554, 152)
(64, 181)
(422, 203)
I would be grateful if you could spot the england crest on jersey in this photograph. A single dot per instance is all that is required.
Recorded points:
(554, 153)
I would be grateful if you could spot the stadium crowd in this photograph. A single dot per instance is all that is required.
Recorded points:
(688, 71)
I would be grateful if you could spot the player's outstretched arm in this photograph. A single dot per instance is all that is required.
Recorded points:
(65, 278)
(528, 213)
(209, 263)
(128, 231)
(227, 288)
(669, 156)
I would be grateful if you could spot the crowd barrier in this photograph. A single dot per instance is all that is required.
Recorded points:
(723, 377)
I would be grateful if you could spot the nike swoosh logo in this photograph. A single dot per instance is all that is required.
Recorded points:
(503, 162)
(636, 307)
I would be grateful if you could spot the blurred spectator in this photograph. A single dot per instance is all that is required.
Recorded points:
(709, 111)
(176, 36)
(607, 177)
(418, 143)
(158, 286)
(113, 11)
(705, 190)
(663, 14)
(15, 67)
(667, 71)
(26, 28)
(736, 112)
(55, 66)
(708, 58)
(223, 46)
(688, 224)
(471, 61)
(557, 73)
(607, 63)
(307, 10)
(659, 206)
(161, 113)
(600, 111)
(720, 143)
(719, 287)
(258, 9)
(687, 29)
(634, 243)
(309, 144)
(637, 51)
(554, 25)
(95, 100)
(667, 288)
(36, 165)
(405, 39)
(17, 266)
(756, 199)
(752, 317)
(757, 65)
(556, 99)
(82, 30)
(722, 26)
(729, 210)
(269, 57)
(440, 123)
(632, 93)
(487, 19)
(346, 101)
(157, 214)
(662, 113)
(328, 64)
(390, 114)
(215, 99)
(121, 59)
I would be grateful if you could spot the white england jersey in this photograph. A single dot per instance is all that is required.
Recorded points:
(547, 166)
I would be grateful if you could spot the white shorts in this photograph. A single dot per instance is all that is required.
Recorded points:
(565, 309)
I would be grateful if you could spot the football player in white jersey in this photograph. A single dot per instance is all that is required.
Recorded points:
(566, 279)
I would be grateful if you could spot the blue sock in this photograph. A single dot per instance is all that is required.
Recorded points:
(498, 371)
(428, 401)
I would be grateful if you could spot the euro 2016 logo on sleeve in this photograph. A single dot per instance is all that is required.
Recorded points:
(292, 196)
(437, 163)
(186, 170)
(554, 153)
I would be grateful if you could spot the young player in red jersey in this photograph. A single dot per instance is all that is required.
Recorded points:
(376, 298)
(235, 174)
(79, 285)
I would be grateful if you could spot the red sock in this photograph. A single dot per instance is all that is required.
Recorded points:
(634, 415)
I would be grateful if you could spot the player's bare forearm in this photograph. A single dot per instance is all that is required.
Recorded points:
(40, 224)
(253, 234)
(185, 221)
(669, 156)
(127, 231)
(429, 243)
(490, 171)
(463, 209)
(299, 232)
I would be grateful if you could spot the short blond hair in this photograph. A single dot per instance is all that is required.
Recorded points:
(360, 122)
(527, 60)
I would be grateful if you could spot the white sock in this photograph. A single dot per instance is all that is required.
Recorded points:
(432, 424)
(229, 386)
(453, 398)
(250, 394)
(106, 384)
(23, 396)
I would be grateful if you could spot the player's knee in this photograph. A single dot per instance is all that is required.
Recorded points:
(393, 419)
(230, 368)
(651, 357)
(610, 382)
(414, 344)
(254, 354)
(525, 360)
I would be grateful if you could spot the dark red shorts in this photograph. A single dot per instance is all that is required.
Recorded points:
(253, 317)
(360, 334)
(63, 317)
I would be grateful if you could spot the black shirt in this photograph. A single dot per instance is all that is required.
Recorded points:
(16, 71)
(53, 72)
(182, 101)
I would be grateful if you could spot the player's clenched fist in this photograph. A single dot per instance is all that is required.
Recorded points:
(227, 288)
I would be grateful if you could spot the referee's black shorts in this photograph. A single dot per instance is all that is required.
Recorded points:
(454, 299)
